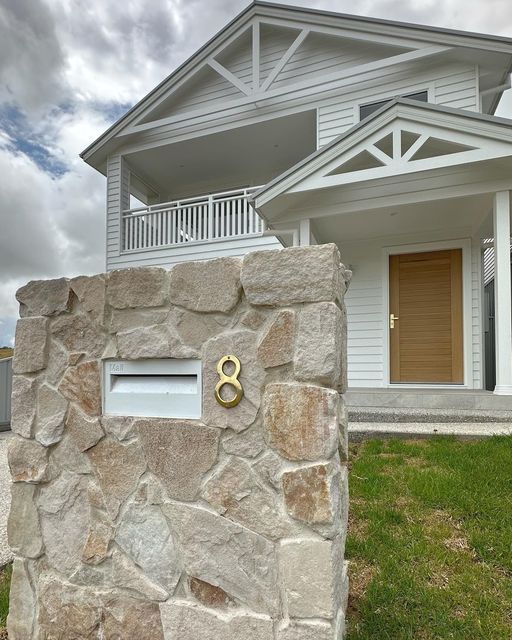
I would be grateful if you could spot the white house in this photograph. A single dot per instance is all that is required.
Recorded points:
(300, 126)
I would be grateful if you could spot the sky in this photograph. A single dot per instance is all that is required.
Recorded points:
(70, 68)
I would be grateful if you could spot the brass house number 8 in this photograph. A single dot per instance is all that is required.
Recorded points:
(231, 380)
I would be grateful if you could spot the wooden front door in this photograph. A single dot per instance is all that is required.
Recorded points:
(425, 306)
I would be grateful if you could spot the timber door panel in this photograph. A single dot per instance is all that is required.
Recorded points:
(425, 295)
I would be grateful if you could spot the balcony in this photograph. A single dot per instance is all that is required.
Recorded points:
(219, 216)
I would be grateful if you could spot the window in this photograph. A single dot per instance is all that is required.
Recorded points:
(367, 109)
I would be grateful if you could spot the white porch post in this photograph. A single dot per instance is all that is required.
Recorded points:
(305, 232)
(502, 293)
(118, 199)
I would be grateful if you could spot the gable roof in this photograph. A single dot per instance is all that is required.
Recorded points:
(339, 151)
(260, 8)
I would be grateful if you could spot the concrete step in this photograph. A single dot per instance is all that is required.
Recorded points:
(426, 415)
(463, 430)
(428, 399)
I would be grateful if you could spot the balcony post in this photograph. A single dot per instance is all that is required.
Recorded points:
(210, 217)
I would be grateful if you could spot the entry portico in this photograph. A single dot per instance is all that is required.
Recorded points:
(408, 195)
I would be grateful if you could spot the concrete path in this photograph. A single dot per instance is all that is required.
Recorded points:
(463, 430)
(5, 498)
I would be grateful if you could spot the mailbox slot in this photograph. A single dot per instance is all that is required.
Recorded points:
(153, 388)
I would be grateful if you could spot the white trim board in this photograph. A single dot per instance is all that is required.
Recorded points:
(465, 245)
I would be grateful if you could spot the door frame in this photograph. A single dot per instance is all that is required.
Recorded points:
(467, 325)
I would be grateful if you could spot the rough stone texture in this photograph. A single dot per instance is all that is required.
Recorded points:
(31, 345)
(318, 356)
(123, 320)
(118, 468)
(23, 529)
(252, 376)
(23, 405)
(283, 277)
(85, 431)
(312, 573)
(44, 297)
(208, 594)
(183, 620)
(28, 461)
(51, 409)
(20, 621)
(159, 560)
(247, 444)
(179, 453)
(158, 341)
(237, 493)
(206, 286)
(276, 346)
(91, 293)
(301, 420)
(220, 552)
(310, 630)
(81, 384)
(308, 495)
(79, 334)
(127, 575)
(138, 287)
(231, 527)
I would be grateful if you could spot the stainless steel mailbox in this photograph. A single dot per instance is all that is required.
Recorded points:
(169, 388)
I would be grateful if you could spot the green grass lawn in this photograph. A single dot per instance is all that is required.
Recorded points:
(430, 540)
(5, 580)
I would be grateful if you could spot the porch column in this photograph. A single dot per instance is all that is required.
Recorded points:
(118, 199)
(305, 232)
(502, 293)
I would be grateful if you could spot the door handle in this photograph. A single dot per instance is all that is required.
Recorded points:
(392, 319)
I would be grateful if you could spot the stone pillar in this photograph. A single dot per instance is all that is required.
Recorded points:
(230, 527)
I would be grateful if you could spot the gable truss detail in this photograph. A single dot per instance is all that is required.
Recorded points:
(256, 90)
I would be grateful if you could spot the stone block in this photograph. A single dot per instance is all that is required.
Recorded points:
(208, 594)
(119, 427)
(206, 286)
(308, 630)
(23, 531)
(81, 384)
(227, 555)
(179, 453)
(144, 536)
(313, 495)
(79, 334)
(23, 405)
(31, 338)
(237, 493)
(158, 341)
(283, 277)
(22, 610)
(97, 542)
(183, 620)
(301, 421)
(311, 573)
(44, 297)
(127, 575)
(118, 468)
(127, 618)
(51, 410)
(276, 346)
(28, 460)
(91, 293)
(123, 320)
(85, 430)
(319, 345)
(247, 444)
(241, 344)
(195, 329)
(138, 287)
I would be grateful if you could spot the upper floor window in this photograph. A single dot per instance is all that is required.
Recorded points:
(367, 109)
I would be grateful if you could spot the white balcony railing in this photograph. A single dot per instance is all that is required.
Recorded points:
(200, 219)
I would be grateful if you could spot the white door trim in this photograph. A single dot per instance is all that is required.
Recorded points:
(460, 243)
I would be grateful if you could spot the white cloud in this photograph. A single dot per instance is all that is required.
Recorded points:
(66, 66)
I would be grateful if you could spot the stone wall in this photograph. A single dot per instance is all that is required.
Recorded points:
(228, 528)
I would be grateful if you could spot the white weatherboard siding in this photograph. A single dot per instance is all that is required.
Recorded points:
(450, 85)
(367, 306)
(118, 199)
